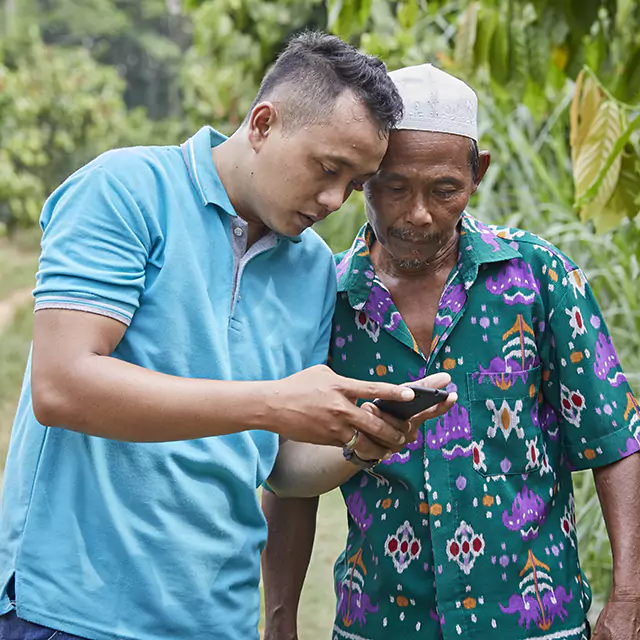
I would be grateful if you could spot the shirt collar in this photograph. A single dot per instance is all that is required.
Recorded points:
(479, 244)
(196, 152)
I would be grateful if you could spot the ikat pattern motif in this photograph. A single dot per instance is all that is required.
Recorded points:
(470, 530)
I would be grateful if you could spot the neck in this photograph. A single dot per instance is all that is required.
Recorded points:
(230, 159)
(442, 261)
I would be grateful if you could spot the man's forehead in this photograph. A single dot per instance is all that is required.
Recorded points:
(416, 146)
(399, 137)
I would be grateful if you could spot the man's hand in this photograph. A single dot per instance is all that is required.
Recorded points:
(620, 619)
(319, 406)
(305, 470)
(435, 381)
(617, 486)
(369, 448)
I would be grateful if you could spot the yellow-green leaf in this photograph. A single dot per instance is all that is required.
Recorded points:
(599, 141)
(584, 108)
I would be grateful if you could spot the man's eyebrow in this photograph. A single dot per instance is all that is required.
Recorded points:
(341, 160)
(454, 182)
(390, 175)
(345, 162)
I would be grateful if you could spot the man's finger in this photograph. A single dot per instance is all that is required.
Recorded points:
(370, 390)
(369, 450)
(434, 381)
(397, 423)
(376, 428)
(433, 412)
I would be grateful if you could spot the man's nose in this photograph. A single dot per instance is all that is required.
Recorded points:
(331, 200)
(419, 214)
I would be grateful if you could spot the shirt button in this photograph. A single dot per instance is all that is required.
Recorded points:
(238, 232)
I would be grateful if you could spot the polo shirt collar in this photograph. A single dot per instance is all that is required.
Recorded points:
(479, 244)
(196, 152)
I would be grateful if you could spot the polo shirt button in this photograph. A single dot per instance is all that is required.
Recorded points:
(238, 231)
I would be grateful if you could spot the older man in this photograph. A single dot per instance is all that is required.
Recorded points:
(470, 530)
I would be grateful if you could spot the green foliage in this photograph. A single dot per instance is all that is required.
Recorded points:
(235, 42)
(53, 104)
(528, 53)
(58, 109)
(144, 39)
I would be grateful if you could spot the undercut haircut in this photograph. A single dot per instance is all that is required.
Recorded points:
(315, 69)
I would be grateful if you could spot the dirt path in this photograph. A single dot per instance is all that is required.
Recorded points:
(10, 306)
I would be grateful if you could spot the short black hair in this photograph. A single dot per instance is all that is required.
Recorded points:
(474, 160)
(316, 68)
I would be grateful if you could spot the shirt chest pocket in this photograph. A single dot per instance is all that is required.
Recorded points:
(503, 412)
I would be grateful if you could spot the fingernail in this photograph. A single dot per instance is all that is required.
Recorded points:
(387, 456)
(401, 439)
(407, 394)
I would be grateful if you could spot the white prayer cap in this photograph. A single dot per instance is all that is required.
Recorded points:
(436, 101)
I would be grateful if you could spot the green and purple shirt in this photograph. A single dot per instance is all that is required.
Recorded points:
(470, 530)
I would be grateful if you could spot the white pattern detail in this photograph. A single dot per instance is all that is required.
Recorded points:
(505, 419)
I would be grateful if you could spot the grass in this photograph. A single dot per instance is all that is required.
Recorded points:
(317, 604)
(18, 262)
(14, 350)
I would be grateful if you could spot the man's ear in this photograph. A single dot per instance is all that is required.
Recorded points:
(261, 123)
(485, 160)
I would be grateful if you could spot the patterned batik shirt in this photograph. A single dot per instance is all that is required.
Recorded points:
(470, 530)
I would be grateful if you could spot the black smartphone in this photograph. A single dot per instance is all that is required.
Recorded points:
(424, 399)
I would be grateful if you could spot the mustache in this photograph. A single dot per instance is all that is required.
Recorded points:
(408, 234)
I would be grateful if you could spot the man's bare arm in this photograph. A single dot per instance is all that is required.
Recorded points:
(617, 485)
(285, 560)
(76, 384)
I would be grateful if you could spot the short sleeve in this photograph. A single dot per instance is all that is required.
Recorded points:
(320, 353)
(95, 247)
(584, 382)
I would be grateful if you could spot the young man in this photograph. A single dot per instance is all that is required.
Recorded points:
(179, 296)
(470, 531)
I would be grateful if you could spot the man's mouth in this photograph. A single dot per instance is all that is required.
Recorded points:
(307, 220)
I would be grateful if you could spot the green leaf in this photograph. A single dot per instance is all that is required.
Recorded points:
(364, 12)
(623, 202)
(466, 39)
(499, 52)
(487, 21)
(407, 13)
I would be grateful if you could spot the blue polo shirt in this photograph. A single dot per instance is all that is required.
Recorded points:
(151, 541)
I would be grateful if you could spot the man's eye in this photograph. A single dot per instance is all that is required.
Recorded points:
(329, 172)
(395, 188)
(444, 194)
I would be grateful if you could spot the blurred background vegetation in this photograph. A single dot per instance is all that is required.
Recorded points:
(559, 88)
